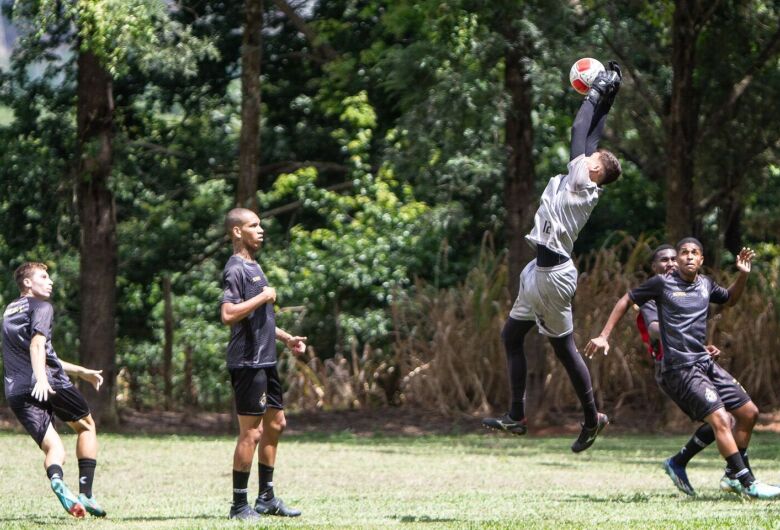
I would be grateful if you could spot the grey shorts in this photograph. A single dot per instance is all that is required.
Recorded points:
(545, 296)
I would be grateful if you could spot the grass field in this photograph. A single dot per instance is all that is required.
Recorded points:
(470, 481)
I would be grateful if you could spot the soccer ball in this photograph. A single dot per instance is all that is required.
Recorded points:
(583, 73)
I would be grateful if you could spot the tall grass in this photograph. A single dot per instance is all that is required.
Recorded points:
(450, 356)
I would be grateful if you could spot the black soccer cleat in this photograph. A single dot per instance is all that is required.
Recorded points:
(244, 513)
(274, 506)
(588, 435)
(506, 423)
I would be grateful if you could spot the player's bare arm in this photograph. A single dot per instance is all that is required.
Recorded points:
(602, 341)
(294, 343)
(234, 313)
(744, 262)
(93, 377)
(42, 389)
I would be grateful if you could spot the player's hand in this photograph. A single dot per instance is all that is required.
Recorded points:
(713, 351)
(744, 259)
(92, 377)
(41, 390)
(296, 344)
(613, 66)
(600, 88)
(270, 293)
(595, 345)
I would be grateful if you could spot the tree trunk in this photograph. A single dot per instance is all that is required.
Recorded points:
(519, 179)
(683, 115)
(97, 217)
(519, 199)
(168, 340)
(249, 143)
(190, 396)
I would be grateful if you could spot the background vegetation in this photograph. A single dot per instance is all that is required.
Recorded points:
(395, 151)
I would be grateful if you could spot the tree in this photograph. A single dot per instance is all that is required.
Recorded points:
(97, 218)
(249, 143)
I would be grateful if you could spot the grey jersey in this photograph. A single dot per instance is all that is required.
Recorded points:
(253, 339)
(22, 320)
(682, 314)
(566, 205)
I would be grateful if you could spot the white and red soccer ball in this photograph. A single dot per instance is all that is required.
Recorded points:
(583, 73)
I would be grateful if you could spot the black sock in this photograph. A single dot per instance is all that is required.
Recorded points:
(567, 353)
(513, 336)
(737, 467)
(703, 437)
(266, 481)
(240, 483)
(86, 475)
(744, 455)
(54, 471)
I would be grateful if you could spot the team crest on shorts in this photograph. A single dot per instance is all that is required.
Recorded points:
(710, 395)
(262, 400)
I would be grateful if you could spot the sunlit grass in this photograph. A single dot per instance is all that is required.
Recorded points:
(342, 481)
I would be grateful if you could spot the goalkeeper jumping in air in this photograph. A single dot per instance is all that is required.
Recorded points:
(548, 283)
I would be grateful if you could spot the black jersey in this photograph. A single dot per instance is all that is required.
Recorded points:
(682, 314)
(24, 318)
(253, 339)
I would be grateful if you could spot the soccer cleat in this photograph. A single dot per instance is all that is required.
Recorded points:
(759, 490)
(506, 423)
(679, 476)
(588, 435)
(67, 499)
(274, 506)
(92, 505)
(730, 485)
(244, 513)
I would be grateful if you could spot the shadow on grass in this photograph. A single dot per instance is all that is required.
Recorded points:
(422, 519)
(638, 498)
(50, 522)
(171, 518)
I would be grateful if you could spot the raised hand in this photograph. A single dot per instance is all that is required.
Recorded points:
(745, 259)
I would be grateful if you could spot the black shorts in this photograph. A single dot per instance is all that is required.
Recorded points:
(702, 388)
(35, 416)
(256, 389)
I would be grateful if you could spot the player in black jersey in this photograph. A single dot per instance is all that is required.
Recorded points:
(699, 386)
(664, 261)
(38, 388)
(248, 308)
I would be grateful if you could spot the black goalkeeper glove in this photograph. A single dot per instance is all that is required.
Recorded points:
(600, 88)
(606, 85)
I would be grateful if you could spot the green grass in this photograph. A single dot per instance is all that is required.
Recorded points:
(471, 481)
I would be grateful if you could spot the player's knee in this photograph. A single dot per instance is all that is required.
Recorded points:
(251, 436)
(719, 420)
(278, 424)
(748, 413)
(86, 424)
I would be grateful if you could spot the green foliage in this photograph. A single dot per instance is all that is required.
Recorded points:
(364, 244)
(119, 31)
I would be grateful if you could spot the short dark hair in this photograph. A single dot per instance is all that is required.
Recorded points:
(612, 169)
(26, 270)
(235, 217)
(685, 240)
(659, 249)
